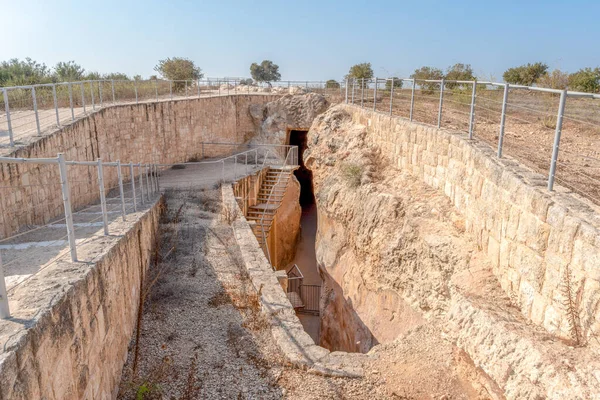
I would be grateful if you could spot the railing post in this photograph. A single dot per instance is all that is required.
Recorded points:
(503, 119)
(136, 93)
(391, 97)
(346, 90)
(35, 110)
(412, 99)
(66, 195)
(100, 93)
(7, 109)
(198, 84)
(148, 187)
(472, 114)
(353, 86)
(82, 97)
(121, 191)
(71, 102)
(156, 89)
(223, 171)
(442, 84)
(375, 96)
(157, 178)
(186, 92)
(171, 89)
(4, 308)
(112, 86)
(133, 194)
(362, 92)
(555, 148)
(92, 93)
(55, 105)
(102, 196)
(141, 183)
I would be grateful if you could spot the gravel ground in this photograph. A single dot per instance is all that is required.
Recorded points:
(202, 334)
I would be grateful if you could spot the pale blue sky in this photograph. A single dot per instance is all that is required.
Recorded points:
(314, 40)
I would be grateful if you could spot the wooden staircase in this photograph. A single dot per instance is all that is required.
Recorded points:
(261, 216)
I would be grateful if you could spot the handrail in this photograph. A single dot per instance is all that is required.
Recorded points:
(290, 151)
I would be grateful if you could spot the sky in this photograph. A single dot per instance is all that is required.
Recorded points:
(309, 40)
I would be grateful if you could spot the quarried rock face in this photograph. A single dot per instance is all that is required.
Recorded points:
(398, 256)
(386, 244)
(274, 119)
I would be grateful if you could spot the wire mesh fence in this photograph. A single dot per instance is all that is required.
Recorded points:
(554, 132)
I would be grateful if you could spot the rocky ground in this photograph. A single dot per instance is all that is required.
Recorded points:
(202, 335)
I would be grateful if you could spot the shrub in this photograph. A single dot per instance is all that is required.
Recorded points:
(352, 174)
(459, 72)
(247, 82)
(178, 69)
(525, 74)
(397, 83)
(585, 80)
(427, 73)
(554, 80)
(332, 84)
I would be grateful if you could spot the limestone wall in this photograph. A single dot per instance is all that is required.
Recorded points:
(75, 345)
(163, 132)
(532, 237)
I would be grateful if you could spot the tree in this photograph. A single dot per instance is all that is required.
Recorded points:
(427, 73)
(15, 72)
(459, 72)
(137, 78)
(585, 80)
(68, 71)
(178, 69)
(117, 76)
(397, 83)
(525, 74)
(247, 82)
(332, 84)
(363, 73)
(266, 71)
(92, 76)
(554, 80)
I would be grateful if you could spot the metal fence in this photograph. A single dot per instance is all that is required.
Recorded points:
(35, 110)
(555, 132)
(56, 205)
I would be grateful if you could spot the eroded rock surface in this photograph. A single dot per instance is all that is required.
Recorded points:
(274, 119)
(396, 260)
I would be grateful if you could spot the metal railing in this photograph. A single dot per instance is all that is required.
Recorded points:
(33, 110)
(292, 154)
(476, 101)
(143, 182)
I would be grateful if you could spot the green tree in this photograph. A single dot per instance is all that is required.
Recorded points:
(361, 72)
(247, 82)
(459, 72)
(397, 83)
(68, 71)
(15, 72)
(92, 76)
(585, 80)
(525, 74)
(117, 76)
(266, 71)
(178, 69)
(427, 73)
(332, 84)
(554, 80)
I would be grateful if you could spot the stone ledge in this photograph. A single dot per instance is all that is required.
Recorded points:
(287, 331)
(68, 335)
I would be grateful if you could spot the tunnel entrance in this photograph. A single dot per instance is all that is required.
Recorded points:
(303, 174)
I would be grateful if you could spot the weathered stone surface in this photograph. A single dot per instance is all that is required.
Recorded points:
(68, 335)
(274, 120)
(535, 233)
(297, 345)
(163, 132)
